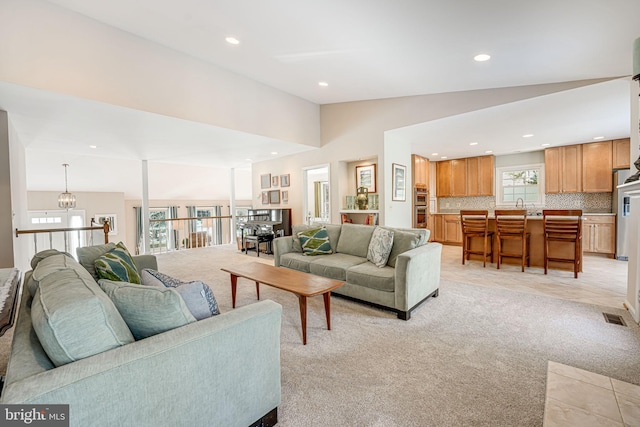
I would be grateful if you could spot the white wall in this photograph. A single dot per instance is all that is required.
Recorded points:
(48, 47)
(18, 199)
(6, 217)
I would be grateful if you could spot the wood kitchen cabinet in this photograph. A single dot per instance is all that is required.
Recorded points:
(443, 179)
(447, 229)
(420, 171)
(596, 167)
(621, 155)
(599, 234)
(459, 177)
(563, 169)
(480, 176)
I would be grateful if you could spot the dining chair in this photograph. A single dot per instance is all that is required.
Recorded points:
(563, 226)
(475, 224)
(511, 224)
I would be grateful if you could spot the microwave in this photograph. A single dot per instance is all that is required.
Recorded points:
(421, 196)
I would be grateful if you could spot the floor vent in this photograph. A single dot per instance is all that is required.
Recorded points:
(614, 318)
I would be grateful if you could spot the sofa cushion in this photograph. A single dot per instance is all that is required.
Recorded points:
(297, 261)
(315, 241)
(334, 235)
(423, 233)
(88, 255)
(49, 265)
(402, 241)
(380, 246)
(117, 264)
(354, 239)
(148, 310)
(44, 254)
(298, 228)
(74, 319)
(369, 275)
(334, 266)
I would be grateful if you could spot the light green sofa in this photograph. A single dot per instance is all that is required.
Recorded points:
(411, 275)
(220, 371)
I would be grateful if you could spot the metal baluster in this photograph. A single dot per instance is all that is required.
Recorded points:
(66, 246)
(50, 240)
(79, 238)
(35, 242)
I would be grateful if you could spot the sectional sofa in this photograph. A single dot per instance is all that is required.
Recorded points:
(410, 276)
(219, 371)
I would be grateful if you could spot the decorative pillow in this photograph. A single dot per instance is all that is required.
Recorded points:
(380, 246)
(44, 254)
(315, 241)
(151, 277)
(402, 242)
(117, 265)
(199, 299)
(88, 255)
(147, 310)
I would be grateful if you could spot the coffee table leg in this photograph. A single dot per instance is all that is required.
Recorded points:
(327, 308)
(258, 289)
(303, 317)
(234, 284)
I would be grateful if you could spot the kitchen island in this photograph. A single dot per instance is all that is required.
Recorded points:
(447, 230)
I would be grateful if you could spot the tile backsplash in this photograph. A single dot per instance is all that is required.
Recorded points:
(588, 202)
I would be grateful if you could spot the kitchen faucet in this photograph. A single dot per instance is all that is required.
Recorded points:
(518, 201)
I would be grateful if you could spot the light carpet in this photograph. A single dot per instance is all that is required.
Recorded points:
(473, 356)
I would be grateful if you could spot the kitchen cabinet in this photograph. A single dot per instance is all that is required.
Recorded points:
(431, 223)
(420, 171)
(599, 234)
(447, 229)
(480, 176)
(459, 177)
(596, 167)
(443, 179)
(621, 153)
(563, 169)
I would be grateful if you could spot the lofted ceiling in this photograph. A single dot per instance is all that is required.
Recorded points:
(362, 49)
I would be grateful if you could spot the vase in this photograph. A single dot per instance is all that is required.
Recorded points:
(362, 199)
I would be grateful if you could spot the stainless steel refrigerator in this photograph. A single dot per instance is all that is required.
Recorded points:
(621, 209)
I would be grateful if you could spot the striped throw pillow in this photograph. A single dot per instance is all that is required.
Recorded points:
(117, 265)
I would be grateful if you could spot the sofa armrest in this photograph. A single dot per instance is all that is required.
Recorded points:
(145, 261)
(417, 274)
(224, 370)
(281, 246)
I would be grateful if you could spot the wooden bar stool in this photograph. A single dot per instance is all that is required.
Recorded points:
(475, 223)
(563, 226)
(511, 224)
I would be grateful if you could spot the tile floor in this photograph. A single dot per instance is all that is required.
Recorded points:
(574, 397)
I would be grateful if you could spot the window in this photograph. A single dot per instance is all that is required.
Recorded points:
(524, 182)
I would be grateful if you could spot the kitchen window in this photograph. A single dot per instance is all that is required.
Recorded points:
(524, 182)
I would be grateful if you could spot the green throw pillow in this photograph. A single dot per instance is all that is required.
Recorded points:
(117, 265)
(315, 241)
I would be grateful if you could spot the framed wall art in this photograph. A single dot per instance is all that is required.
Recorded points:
(274, 197)
(285, 196)
(265, 181)
(399, 183)
(284, 180)
(366, 177)
(265, 197)
(99, 219)
(274, 181)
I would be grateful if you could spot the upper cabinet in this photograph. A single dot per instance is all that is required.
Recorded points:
(621, 153)
(563, 169)
(473, 176)
(596, 167)
(480, 176)
(420, 171)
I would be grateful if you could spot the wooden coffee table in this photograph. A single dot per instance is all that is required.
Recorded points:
(303, 285)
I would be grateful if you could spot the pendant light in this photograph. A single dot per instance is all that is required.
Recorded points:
(66, 200)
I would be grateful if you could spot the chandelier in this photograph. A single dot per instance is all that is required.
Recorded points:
(66, 200)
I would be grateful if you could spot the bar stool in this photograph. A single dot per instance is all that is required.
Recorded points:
(563, 226)
(475, 223)
(511, 224)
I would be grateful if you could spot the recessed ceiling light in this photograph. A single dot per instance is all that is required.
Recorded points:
(443, 157)
(93, 146)
(546, 145)
(599, 137)
(434, 154)
(482, 57)
(323, 84)
(473, 143)
(529, 135)
(274, 153)
(488, 151)
(232, 40)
